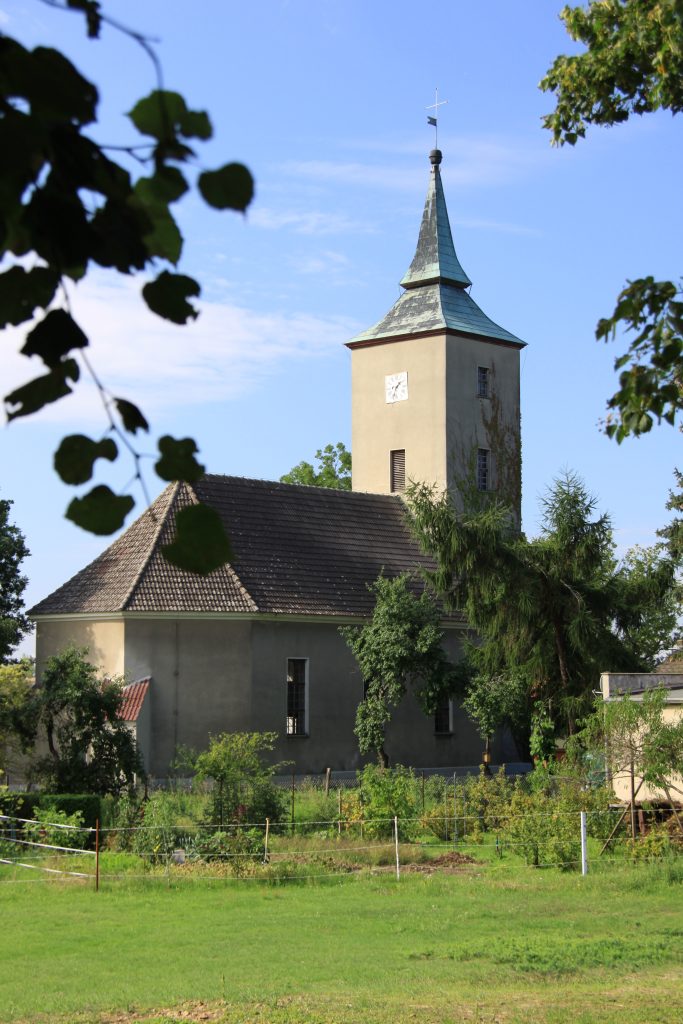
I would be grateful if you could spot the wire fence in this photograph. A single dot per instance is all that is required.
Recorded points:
(283, 851)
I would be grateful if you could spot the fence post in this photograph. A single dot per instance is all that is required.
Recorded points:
(97, 854)
(340, 809)
(265, 842)
(584, 845)
(328, 772)
(398, 863)
(293, 784)
(455, 812)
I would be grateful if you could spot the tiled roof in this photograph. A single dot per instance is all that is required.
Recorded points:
(431, 308)
(133, 697)
(435, 258)
(298, 550)
(435, 298)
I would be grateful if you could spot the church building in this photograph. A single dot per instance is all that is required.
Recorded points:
(255, 645)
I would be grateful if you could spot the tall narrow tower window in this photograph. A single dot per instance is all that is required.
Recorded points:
(482, 382)
(398, 470)
(483, 469)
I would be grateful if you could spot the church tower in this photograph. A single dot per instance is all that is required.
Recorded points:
(435, 384)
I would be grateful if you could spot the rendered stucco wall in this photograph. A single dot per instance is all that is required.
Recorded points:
(335, 689)
(417, 425)
(201, 680)
(104, 641)
(473, 422)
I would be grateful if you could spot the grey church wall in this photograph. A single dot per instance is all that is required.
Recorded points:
(201, 680)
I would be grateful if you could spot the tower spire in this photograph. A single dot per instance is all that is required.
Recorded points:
(435, 260)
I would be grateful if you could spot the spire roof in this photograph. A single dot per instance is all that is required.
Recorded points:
(435, 298)
(435, 259)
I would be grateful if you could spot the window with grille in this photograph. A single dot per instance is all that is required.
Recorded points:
(297, 669)
(398, 470)
(483, 381)
(483, 469)
(442, 717)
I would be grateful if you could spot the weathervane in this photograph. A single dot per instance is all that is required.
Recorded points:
(432, 120)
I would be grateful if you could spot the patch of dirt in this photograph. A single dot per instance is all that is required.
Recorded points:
(448, 864)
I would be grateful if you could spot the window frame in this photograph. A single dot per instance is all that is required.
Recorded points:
(483, 381)
(292, 714)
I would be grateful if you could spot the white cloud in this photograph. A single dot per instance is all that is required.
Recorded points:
(479, 160)
(307, 222)
(325, 262)
(158, 364)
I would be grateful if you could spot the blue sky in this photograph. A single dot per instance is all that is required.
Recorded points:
(325, 101)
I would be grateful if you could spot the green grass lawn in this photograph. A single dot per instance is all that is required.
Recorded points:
(496, 943)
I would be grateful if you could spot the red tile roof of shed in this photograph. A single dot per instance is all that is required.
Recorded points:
(133, 696)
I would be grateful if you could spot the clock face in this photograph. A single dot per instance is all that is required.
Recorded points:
(396, 387)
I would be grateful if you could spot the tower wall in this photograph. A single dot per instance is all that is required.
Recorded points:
(416, 424)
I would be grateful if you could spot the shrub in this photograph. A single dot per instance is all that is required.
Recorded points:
(46, 828)
(384, 793)
(237, 847)
(541, 830)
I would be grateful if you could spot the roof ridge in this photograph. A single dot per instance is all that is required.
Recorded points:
(174, 489)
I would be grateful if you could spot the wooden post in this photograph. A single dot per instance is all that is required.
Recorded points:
(621, 818)
(328, 772)
(265, 842)
(633, 800)
(340, 811)
(97, 854)
(455, 811)
(423, 792)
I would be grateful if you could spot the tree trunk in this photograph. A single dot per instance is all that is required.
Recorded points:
(382, 757)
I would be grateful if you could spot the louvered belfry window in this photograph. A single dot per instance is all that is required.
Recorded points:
(296, 696)
(398, 470)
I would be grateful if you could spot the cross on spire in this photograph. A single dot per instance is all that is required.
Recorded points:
(432, 119)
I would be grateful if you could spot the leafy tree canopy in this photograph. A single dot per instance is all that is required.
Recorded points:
(13, 623)
(15, 691)
(400, 647)
(633, 64)
(90, 748)
(333, 469)
(553, 611)
(66, 206)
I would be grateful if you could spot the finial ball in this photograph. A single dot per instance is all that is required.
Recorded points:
(436, 156)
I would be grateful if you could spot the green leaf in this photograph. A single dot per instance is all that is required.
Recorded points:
(50, 83)
(77, 454)
(22, 290)
(43, 390)
(100, 511)
(166, 185)
(230, 187)
(164, 238)
(177, 460)
(167, 297)
(132, 418)
(164, 115)
(53, 337)
(201, 544)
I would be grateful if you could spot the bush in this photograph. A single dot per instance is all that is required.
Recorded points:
(541, 830)
(46, 828)
(86, 804)
(237, 847)
(384, 793)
